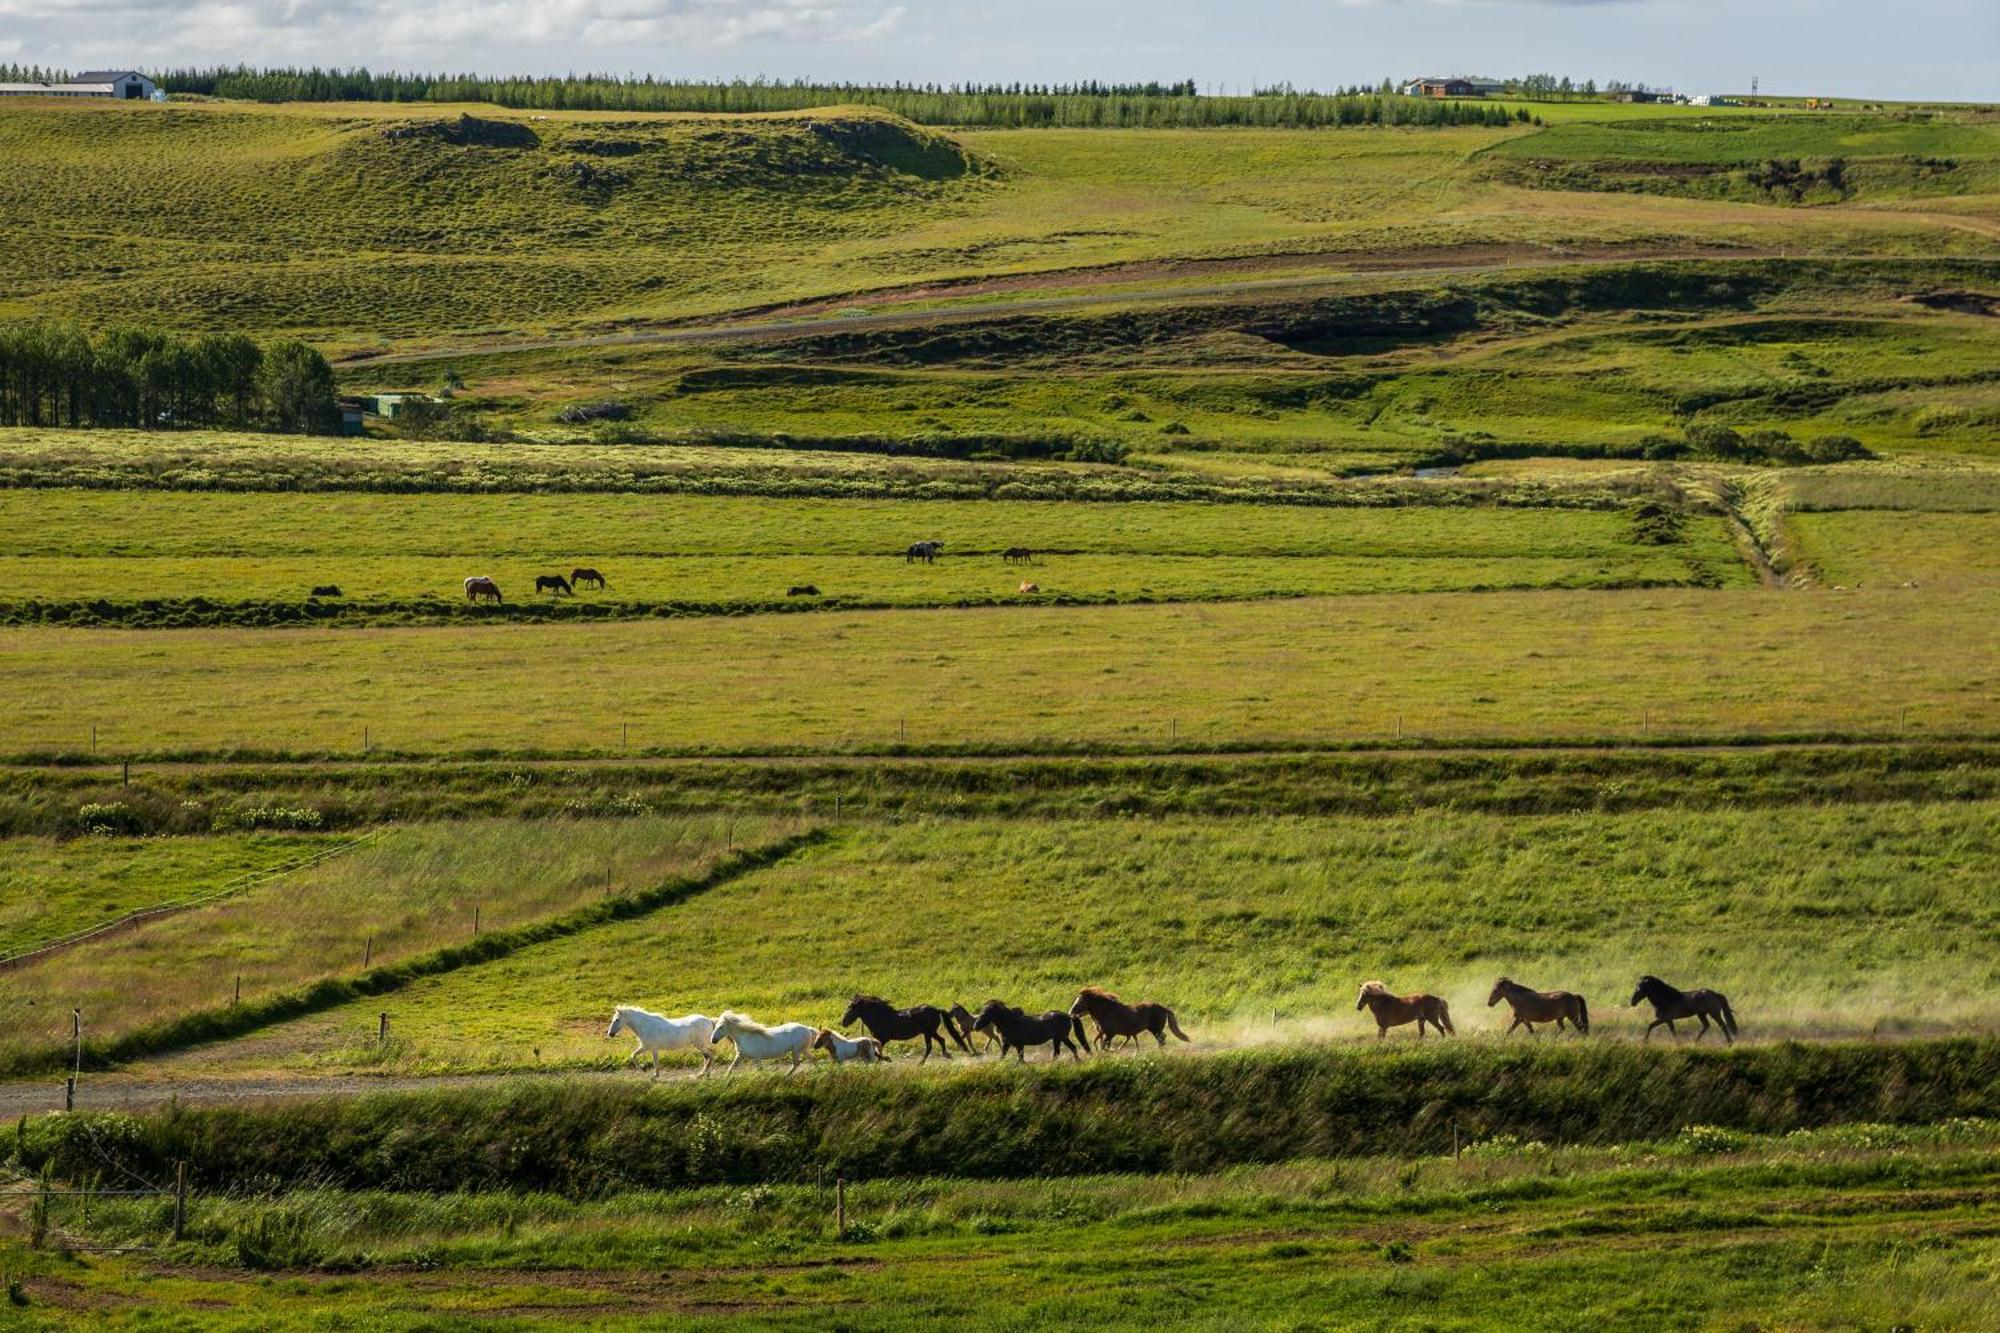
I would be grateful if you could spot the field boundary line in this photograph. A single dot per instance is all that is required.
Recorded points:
(235, 1020)
(138, 916)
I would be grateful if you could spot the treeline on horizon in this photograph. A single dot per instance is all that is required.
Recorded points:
(59, 375)
(1005, 106)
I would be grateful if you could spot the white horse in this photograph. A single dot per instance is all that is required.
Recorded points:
(657, 1034)
(756, 1042)
(842, 1049)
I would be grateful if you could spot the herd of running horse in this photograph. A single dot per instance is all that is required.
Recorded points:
(1012, 1029)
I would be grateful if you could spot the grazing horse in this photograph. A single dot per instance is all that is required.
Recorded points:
(579, 577)
(1670, 1003)
(1017, 553)
(327, 590)
(802, 590)
(479, 586)
(756, 1042)
(657, 1034)
(553, 583)
(1028, 586)
(865, 1049)
(924, 551)
(1540, 1006)
(1392, 1010)
(1019, 1030)
(885, 1022)
(1115, 1018)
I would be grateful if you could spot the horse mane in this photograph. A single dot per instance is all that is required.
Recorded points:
(1373, 988)
(742, 1021)
(871, 999)
(1100, 993)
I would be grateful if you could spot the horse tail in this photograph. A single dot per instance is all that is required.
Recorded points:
(1728, 1014)
(1444, 1016)
(1174, 1026)
(1582, 1015)
(958, 1034)
(1076, 1022)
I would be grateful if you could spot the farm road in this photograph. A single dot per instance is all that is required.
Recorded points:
(848, 314)
(113, 1092)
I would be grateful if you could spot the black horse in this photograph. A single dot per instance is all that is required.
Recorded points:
(553, 583)
(326, 590)
(1670, 1003)
(886, 1023)
(802, 590)
(1019, 1030)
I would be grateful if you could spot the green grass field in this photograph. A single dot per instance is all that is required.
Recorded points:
(1756, 758)
(50, 888)
(120, 546)
(409, 892)
(1847, 921)
(1857, 1226)
(1550, 665)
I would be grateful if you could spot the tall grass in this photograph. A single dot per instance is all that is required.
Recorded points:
(358, 924)
(1128, 1115)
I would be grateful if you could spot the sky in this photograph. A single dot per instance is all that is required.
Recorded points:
(1943, 50)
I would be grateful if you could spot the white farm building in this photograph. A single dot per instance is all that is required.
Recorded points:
(123, 85)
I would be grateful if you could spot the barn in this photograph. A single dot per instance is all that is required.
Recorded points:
(121, 85)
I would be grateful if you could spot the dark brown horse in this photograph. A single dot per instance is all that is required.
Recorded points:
(1020, 554)
(1115, 1018)
(1540, 1006)
(1671, 1004)
(802, 590)
(553, 583)
(1019, 1030)
(327, 590)
(1393, 1010)
(886, 1023)
(579, 577)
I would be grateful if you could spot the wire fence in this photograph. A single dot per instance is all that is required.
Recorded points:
(240, 885)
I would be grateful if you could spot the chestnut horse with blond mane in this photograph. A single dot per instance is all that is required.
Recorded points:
(1115, 1018)
(1392, 1010)
(1540, 1006)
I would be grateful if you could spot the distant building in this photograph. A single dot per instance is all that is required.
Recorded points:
(1453, 85)
(1637, 95)
(353, 413)
(119, 85)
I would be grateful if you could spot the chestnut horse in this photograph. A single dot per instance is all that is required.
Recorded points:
(1392, 1010)
(479, 586)
(1671, 1003)
(1115, 1018)
(580, 576)
(1540, 1006)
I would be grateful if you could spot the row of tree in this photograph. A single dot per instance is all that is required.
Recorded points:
(1013, 106)
(59, 375)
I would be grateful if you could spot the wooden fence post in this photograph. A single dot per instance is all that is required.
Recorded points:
(382, 1029)
(180, 1199)
(840, 1206)
(368, 952)
(76, 1035)
(126, 781)
(69, 1093)
(475, 919)
(239, 989)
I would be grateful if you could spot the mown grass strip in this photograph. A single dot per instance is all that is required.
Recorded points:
(1195, 1114)
(221, 1023)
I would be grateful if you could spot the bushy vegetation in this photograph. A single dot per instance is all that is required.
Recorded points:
(1180, 1115)
(58, 375)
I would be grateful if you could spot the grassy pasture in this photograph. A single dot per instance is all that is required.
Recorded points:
(1857, 547)
(132, 545)
(1547, 665)
(49, 888)
(1838, 921)
(410, 892)
(1500, 1237)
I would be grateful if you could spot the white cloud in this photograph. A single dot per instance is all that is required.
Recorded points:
(445, 34)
